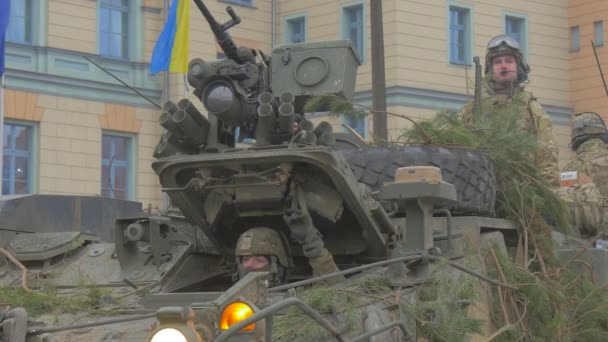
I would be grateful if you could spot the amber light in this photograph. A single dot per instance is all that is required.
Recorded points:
(235, 313)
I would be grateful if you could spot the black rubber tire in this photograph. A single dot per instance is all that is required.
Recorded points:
(470, 171)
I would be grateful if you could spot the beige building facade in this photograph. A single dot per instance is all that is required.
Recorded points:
(72, 129)
(586, 23)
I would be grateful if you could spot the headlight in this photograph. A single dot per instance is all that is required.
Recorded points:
(235, 313)
(168, 335)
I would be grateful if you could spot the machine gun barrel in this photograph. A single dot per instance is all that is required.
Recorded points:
(220, 30)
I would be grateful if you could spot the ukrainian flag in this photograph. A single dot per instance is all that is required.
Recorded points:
(4, 15)
(171, 49)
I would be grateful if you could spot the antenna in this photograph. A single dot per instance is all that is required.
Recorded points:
(123, 83)
(599, 66)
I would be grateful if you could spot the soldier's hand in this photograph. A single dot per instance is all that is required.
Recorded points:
(300, 225)
(304, 232)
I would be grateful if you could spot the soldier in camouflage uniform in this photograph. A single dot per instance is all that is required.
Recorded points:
(505, 73)
(263, 249)
(589, 138)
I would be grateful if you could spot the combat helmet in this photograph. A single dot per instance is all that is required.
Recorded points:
(267, 242)
(504, 44)
(588, 125)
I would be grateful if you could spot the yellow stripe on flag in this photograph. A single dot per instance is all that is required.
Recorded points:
(179, 54)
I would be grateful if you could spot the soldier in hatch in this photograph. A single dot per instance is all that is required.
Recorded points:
(506, 72)
(262, 250)
(265, 250)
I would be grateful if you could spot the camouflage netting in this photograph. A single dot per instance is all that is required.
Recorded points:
(550, 303)
(439, 310)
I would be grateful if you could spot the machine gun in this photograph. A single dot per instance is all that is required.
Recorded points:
(250, 95)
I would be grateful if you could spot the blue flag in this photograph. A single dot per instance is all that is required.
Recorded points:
(4, 14)
(161, 56)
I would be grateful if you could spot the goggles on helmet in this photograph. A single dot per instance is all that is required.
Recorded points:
(503, 39)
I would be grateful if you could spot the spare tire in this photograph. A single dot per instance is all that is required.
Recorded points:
(470, 171)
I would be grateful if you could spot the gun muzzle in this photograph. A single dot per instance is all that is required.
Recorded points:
(266, 124)
(266, 98)
(287, 97)
(169, 107)
(187, 106)
(322, 128)
(286, 116)
(166, 120)
(306, 138)
(307, 125)
(193, 124)
(326, 139)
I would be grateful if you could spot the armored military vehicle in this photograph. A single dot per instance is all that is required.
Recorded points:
(391, 212)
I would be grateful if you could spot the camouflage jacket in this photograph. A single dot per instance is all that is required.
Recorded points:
(533, 119)
(592, 159)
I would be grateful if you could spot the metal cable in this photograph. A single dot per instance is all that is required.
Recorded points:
(345, 272)
(473, 273)
(36, 331)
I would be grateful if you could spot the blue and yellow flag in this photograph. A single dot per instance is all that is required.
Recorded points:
(4, 15)
(171, 49)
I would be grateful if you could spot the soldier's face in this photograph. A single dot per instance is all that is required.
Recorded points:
(254, 262)
(504, 68)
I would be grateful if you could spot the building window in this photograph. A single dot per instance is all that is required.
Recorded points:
(20, 21)
(295, 30)
(114, 28)
(356, 122)
(241, 2)
(353, 28)
(516, 28)
(575, 38)
(598, 30)
(117, 166)
(460, 35)
(17, 165)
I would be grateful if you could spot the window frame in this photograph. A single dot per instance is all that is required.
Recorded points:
(523, 43)
(286, 27)
(575, 32)
(131, 163)
(32, 177)
(469, 35)
(28, 26)
(245, 3)
(38, 24)
(344, 119)
(600, 35)
(344, 30)
(127, 36)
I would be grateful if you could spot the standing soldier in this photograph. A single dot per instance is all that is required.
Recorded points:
(589, 138)
(505, 73)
